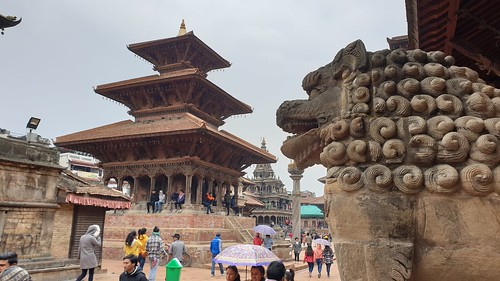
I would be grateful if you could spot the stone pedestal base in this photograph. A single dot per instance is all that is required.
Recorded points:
(393, 236)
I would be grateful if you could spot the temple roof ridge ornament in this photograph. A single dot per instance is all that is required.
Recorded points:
(182, 29)
(8, 21)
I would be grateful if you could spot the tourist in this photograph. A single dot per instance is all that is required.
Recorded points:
(10, 271)
(177, 248)
(309, 258)
(268, 242)
(181, 199)
(297, 247)
(234, 205)
(159, 203)
(155, 249)
(257, 273)
(132, 245)
(152, 200)
(207, 202)
(173, 200)
(275, 271)
(290, 275)
(143, 238)
(309, 239)
(328, 259)
(215, 249)
(257, 240)
(132, 272)
(88, 260)
(232, 273)
(318, 258)
(227, 201)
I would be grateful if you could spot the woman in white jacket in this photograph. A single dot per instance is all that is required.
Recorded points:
(86, 251)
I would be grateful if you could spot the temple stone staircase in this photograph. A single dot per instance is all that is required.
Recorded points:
(245, 236)
(196, 228)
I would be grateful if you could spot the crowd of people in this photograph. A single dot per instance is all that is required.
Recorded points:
(139, 248)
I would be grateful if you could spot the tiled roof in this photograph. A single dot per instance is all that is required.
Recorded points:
(313, 200)
(248, 200)
(246, 181)
(117, 90)
(74, 184)
(101, 190)
(128, 130)
(141, 49)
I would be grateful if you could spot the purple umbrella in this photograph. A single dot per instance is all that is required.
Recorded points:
(264, 229)
(248, 255)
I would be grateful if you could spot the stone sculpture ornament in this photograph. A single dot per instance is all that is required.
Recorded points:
(411, 144)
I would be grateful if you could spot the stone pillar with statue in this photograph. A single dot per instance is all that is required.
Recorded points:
(296, 175)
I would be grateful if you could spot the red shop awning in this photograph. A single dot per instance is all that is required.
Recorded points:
(92, 201)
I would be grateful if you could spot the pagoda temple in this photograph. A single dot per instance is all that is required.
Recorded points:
(174, 142)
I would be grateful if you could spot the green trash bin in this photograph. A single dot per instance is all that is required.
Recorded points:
(173, 270)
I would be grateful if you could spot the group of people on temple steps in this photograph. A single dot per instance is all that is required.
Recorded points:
(229, 203)
(156, 201)
(177, 199)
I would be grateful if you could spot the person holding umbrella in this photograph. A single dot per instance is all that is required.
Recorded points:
(246, 255)
(318, 258)
(268, 242)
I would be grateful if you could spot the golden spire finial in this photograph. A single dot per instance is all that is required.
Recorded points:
(182, 30)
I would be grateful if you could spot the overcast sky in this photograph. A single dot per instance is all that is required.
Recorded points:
(62, 49)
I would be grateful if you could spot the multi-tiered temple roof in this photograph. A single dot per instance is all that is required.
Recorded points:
(177, 114)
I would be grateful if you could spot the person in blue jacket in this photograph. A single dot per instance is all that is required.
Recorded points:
(215, 249)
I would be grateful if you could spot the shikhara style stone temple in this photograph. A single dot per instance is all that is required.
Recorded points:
(272, 192)
(174, 141)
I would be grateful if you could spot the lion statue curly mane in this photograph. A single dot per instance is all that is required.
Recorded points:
(411, 144)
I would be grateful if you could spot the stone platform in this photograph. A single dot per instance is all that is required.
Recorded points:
(196, 228)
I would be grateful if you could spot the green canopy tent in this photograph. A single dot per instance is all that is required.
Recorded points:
(311, 212)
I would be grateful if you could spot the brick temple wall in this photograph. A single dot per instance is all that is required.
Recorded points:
(28, 177)
(196, 230)
(62, 231)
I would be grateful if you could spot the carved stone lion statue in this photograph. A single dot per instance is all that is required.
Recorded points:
(412, 151)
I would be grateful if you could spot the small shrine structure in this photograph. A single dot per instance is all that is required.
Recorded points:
(174, 141)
